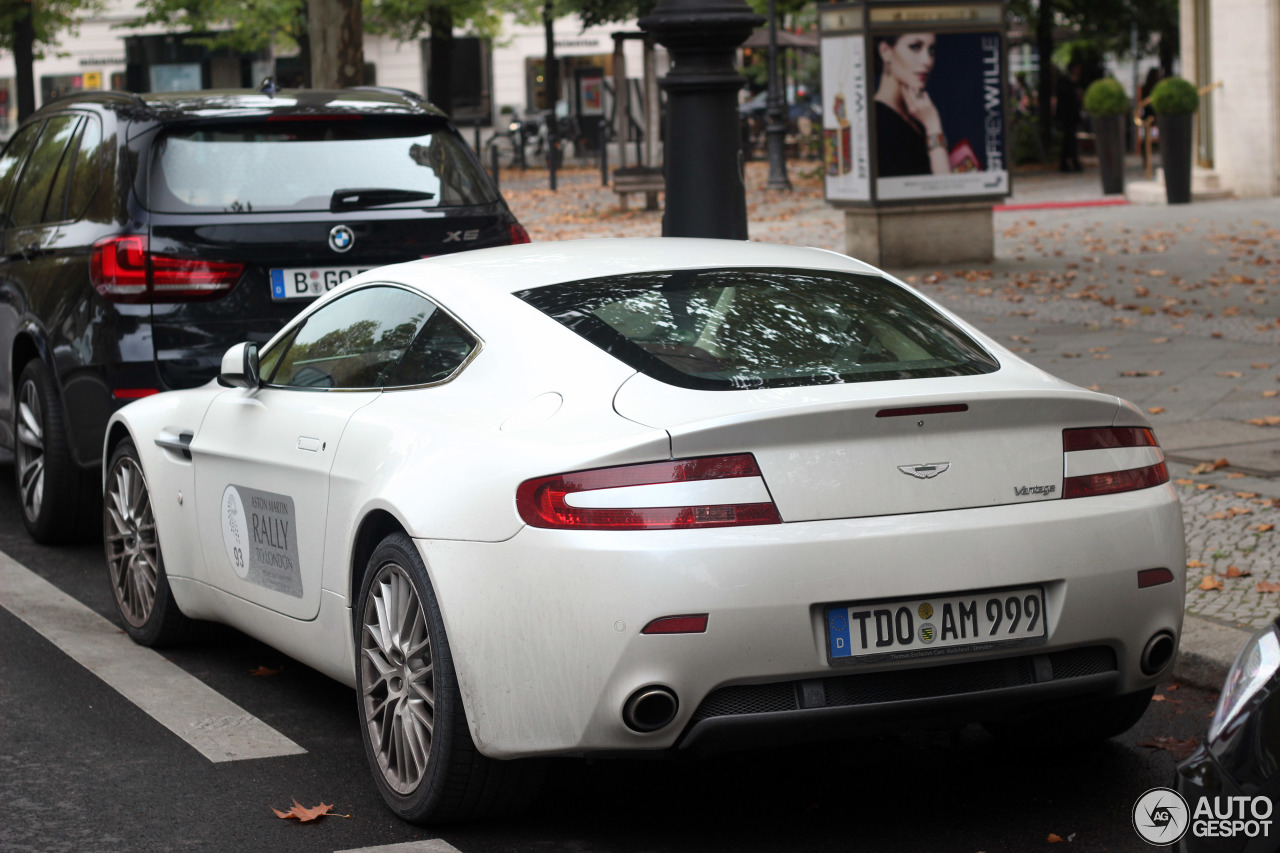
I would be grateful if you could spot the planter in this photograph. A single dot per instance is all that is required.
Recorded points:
(1175, 156)
(1108, 133)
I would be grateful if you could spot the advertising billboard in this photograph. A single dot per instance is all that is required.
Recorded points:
(846, 152)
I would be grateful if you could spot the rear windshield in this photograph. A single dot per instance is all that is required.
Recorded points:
(296, 165)
(762, 328)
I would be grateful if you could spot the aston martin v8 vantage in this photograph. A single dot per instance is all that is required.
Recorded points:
(636, 496)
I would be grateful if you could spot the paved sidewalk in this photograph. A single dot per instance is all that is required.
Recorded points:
(1174, 308)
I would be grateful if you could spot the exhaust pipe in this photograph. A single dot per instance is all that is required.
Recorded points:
(650, 708)
(1157, 653)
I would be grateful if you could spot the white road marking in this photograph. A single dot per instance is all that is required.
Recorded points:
(434, 845)
(216, 727)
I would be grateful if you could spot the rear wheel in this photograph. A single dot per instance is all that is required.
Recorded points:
(58, 497)
(412, 720)
(136, 566)
(1094, 719)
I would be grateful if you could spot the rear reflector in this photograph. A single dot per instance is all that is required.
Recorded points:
(1154, 577)
(123, 270)
(712, 491)
(133, 393)
(695, 624)
(1109, 460)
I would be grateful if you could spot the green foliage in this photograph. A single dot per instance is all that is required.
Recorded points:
(1174, 96)
(51, 18)
(1106, 97)
(410, 19)
(239, 25)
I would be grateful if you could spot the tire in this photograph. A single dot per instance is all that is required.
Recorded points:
(1090, 720)
(58, 498)
(412, 720)
(135, 564)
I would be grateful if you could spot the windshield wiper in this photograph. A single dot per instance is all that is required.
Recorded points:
(360, 199)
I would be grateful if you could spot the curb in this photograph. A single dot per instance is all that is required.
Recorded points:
(1206, 651)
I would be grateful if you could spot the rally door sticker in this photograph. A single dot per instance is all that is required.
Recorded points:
(260, 533)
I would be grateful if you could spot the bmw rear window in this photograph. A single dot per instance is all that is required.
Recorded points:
(296, 163)
(728, 329)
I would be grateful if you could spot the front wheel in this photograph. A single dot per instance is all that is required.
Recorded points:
(136, 566)
(412, 720)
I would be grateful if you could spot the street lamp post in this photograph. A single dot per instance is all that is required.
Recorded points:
(705, 196)
(775, 116)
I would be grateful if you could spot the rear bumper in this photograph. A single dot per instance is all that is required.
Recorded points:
(544, 628)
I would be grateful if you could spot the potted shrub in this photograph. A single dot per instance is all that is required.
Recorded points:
(1108, 106)
(1175, 101)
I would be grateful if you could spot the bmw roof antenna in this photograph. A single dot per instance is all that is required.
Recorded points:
(268, 87)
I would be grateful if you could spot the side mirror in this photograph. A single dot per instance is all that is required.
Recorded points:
(240, 367)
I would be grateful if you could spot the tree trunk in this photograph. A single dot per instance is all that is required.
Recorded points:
(304, 43)
(551, 73)
(336, 29)
(440, 74)
(24, 40)
(1044, 45)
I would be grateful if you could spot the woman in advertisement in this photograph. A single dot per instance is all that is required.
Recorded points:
(909, 135)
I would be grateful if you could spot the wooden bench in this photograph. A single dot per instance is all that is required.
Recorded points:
(638, 179)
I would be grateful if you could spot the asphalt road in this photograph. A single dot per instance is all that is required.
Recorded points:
(84, 769)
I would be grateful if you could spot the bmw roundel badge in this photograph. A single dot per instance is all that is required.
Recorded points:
(341, 238)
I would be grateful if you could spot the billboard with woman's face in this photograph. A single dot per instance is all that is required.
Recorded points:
(939, 115)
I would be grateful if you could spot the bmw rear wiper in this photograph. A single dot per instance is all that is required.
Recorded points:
(360, 199)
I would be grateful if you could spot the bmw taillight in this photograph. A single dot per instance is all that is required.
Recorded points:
(119, 267)
(710, 491)
(518, 234)
(1107, 460)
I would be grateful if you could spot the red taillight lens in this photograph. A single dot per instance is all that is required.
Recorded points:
(1108, 460)
(694, 624)
(1154, 577)
(651, 496)
(119, 266)
(518, 234)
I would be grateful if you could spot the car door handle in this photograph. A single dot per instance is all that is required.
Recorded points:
(312, 444)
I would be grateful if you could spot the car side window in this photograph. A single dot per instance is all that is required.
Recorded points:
(435, 354)
(354, 341)
(15, 153)
(42, 170)
(86, 172)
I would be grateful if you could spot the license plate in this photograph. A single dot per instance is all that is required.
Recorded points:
(945, 624)
(308, 282)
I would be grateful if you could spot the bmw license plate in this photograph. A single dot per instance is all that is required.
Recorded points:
(307, 282)
(919, 627)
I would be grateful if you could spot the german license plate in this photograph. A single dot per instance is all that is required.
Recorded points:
(943, 624)
(308, 282)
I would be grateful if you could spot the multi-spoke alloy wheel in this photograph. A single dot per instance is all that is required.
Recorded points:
(398, 684)
(134, 561)
(30, 450)
(132, 549)
(415, 729)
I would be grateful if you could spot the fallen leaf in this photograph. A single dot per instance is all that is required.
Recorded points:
(1203, 486)
(1053, 839)
(1269, 420)
(1195, 564)
(1234, 572)
(1268, 586)
(1158, 698)
(1156, 410)
(304, 814)
(1263, 528)
(1179, 749)
(1246, 495)
(1271, 394)
(1260, 365)
(1235, 475)
(1135, 372)
(1216, 516)
(1172, 687)
(1184, 481)
(266, 670)
(1206, 467)
(1159, 340)
(1210, 583)
(1229, 374)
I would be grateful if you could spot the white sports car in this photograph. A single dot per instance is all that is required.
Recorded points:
(628, 496)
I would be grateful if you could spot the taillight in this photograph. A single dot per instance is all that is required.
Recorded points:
(119, 269)
(1107, 460)
(518, 234)
(711, 491)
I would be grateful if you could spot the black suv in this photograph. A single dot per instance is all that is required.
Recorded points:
(145, 234)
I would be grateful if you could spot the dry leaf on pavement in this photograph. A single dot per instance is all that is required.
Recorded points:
(1195, 564)
(1138, 372)
(1206, 467)
(1053, 839)
(1263, 528)
(1229, 374)
(1234, 572)
(267, 670)
(304, 814)
(1268, 586)
(1269, 394)
(1269, 420)
(1179, 749)
(1156, 410)
(1210, 583)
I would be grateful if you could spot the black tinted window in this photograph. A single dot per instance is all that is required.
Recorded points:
(11, 162)
(297, 165)
(353, 342)
(763, 328)
(42, 170)
(435, 354)
(87, 170)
